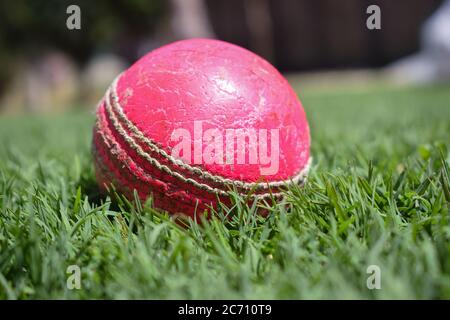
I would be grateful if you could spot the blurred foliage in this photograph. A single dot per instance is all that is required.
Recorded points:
(29, 24)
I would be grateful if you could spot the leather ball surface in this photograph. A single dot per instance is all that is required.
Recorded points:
(196, 118)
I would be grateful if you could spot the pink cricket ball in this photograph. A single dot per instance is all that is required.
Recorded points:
(195, 119)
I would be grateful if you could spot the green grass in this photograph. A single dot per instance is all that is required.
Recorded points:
(378, 194)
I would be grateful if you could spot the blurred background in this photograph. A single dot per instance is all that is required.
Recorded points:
(46, 67)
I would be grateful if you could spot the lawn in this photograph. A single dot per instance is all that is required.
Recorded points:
(378, 194)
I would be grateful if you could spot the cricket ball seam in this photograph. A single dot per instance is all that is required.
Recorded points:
(111, 92)
(167, 169)
(126, 164)
(113, 176)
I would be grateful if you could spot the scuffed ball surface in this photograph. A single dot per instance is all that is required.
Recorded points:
(196, 87)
